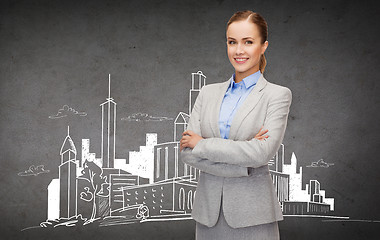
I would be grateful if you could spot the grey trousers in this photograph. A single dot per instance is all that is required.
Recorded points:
(223, 231)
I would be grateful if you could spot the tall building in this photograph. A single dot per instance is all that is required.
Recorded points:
(198, 80)
(296, 193)
(280, 179)
(276, 163)
(141, 162)
(312, 200)
(314, 188)
(180, 125)
(89, 156)
(166, 164)
(67, 178)
(108, 129)
(53, 199)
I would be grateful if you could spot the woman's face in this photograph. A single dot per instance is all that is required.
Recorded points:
(244, 47)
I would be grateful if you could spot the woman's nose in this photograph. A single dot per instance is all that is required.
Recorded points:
(240, 49)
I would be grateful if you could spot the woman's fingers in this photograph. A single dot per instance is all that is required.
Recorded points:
(261, 134)
(184, 142)
(188, 132)
(265, 131)
(190, 139)
(262, 137)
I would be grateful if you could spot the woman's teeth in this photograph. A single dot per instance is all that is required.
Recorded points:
(241, 59)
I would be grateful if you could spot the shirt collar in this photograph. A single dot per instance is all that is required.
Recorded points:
(247, 81)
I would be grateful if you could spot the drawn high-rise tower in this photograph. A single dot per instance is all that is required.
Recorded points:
(198, 80)
(67, 178)
(180, 125)
(278, 160)
(108, 129)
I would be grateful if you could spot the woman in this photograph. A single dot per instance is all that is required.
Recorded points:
(235, 197)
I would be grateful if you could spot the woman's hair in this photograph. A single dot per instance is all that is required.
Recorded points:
(260, 23)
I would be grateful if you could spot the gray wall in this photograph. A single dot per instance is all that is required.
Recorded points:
(54, 53)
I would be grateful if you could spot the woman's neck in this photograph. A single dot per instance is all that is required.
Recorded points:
(240, 76)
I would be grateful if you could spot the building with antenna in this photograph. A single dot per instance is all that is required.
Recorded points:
(108, 129)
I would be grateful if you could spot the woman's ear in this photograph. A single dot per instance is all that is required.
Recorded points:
(264, 47)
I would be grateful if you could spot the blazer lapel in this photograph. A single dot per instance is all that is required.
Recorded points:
(219, 95)
(247, 106)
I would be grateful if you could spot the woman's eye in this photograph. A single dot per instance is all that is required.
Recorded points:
(248, 42)
(231, 42)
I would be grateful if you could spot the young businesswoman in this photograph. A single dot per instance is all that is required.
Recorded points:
(235, 128)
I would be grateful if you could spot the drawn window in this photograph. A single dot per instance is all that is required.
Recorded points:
(181, 199)
(158, 153)
(190, 200)
(166, 162)
(176, 161)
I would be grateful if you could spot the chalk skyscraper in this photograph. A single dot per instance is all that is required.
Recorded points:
(108, 129)
(67, 178)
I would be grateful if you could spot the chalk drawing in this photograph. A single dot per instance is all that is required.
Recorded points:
(67, 111)
(154, 185)
(144, 117)
(64, 222)
(293, 199)
(320, 163)
(33, 171)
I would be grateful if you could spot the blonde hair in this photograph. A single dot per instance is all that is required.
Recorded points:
(260, 23)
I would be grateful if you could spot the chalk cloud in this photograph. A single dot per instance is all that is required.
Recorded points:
(67, 111)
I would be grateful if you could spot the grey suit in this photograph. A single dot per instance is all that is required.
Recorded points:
(237, 168)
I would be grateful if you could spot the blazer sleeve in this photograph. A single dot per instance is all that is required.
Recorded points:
(251, 153)
(202, 163)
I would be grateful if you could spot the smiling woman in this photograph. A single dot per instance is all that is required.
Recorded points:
(234, 129)
(247, 34)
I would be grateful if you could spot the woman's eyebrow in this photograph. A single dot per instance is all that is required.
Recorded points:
(242, 38)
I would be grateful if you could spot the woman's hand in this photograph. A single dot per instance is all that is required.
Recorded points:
(189, 139)
(261, 134)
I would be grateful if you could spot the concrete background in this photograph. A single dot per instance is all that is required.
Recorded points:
(54, 53)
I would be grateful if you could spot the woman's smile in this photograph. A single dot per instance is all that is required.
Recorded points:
(241, 60)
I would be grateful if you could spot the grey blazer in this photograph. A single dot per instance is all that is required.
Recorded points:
(237, 168)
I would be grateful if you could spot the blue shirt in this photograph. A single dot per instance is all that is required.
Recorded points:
(234, 97)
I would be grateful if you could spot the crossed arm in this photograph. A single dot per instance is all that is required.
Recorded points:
(190, 139)
(230, 158)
